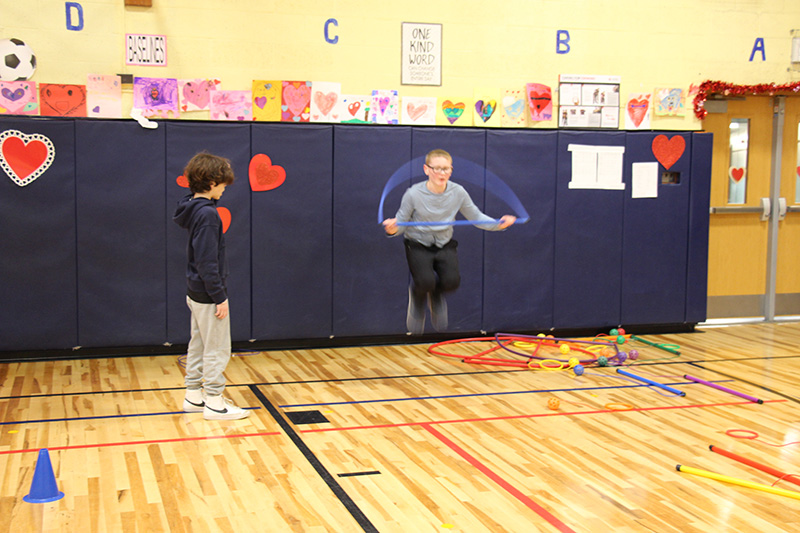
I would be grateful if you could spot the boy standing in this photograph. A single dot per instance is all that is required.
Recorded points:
(206, 272)
(430, 249)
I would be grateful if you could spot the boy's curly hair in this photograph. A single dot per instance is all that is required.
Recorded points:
(205, 170)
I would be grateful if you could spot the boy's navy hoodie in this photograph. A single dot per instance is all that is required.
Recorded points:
(207, 268)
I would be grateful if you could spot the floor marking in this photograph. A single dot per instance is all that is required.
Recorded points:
(762, 387)
(98, 417)
(539, 415)
(326, 476)
(508, 487)
(352, 474)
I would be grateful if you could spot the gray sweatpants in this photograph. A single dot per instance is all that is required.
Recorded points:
(209, 349)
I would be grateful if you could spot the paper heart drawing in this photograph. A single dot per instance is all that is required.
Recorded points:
(353, 108)
(25, 157)
(736, 173)
(325, 102)
(485, 109)
(296, 96)
(18, 97)
(668, 151)
(264, 176)
(452, 111)
(196, 94)
(384, 107)
(513, 106)
(58, 100)
(415, 112)
(540, 101)
(637, 109)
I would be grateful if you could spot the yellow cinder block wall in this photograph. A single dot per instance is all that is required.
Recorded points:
(485, 44)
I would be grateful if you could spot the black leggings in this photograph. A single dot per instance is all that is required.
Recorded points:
(433, 269)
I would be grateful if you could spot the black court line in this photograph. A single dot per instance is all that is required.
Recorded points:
(326, 476)
(736, 378)
(352, 474)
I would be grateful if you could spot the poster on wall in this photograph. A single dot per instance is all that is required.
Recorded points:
(588, 101)
(421, 54)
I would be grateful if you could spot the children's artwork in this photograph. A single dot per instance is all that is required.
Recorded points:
(195, 95)
(383, 109)
(18, 98)
(354, 109)
(418, 110)
(513, 108)
(669, 102)
(588, 101)
(58, 100)
(156, 97)
(104, 96)
(231, 105)
(485, 108)
(296, 101)
(25, 157)
(454, 112)
(324, 96)
(540, 101)
(267, 100)
(637, 111)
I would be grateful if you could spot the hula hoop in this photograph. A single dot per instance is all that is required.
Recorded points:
(613, 406)
(472, 173)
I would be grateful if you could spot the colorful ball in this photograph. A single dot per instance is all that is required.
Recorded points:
(553, 403)
(606, 352)
(602, 360)
(621, 331)
(633, 354)
(622, 357)
(613, 332)
(573, 361)
(620, 339)
(564, 348)
(578, 369)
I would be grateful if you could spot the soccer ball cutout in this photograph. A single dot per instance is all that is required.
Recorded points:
(17, 61)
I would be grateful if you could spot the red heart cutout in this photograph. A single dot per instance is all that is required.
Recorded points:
(264, 176)
(25, 157)
(354, 107)
(225, 216)
(736, 173)
(798, 171)
(637, 110)
(182, 181)
(668, 151)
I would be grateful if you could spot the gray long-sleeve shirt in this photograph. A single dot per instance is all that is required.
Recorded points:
(421, 205)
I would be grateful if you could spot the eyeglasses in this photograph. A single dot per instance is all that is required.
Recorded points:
(440, 170)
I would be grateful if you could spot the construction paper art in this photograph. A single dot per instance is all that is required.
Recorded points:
(419, 110)
(25, 157)
(267, 100)
(384, 107)
(296, 101)
(513, 108)
(103, 96)
(354, 109)
(18, 98)
(264, 176)
(454, 112)
(540, 102)
(231, 105)
(156, 97)
(668, 151)
(637, 111)
(669, 102)
(324, 97)
(57, 100)
(485, 107)
(195, 95)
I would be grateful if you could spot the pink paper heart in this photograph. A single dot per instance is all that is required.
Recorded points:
(415, 112)
(261, 101)
(325, 102)
(297, 98)
(637, 110)
(383, 103)
(198, 94)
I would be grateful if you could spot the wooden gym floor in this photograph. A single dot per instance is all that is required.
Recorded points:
(394, 439)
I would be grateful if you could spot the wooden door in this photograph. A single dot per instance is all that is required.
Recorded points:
(737, 254)
(787, 300)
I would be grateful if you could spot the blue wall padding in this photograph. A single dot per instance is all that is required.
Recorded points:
(292, 234)
(588, 229)
(518, 262)
(38, 306)
(92, 258)
(464, 305)
(232, 141)
(655, 239)
(370, 276)
(121, 234)
(699, 201)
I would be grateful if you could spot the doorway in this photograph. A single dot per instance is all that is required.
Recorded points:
(754, 226)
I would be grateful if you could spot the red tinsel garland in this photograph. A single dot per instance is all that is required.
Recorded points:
(729, 89)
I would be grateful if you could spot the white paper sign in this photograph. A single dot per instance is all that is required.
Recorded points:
(421, 54)
(596, 167)
(644, 180)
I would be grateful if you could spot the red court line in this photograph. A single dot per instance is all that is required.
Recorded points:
(539, 415)
(134, 442)
(538, 509)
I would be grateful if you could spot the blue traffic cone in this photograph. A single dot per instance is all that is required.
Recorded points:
(43, 487)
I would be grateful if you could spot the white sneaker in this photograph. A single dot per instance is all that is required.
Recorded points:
(194, 401)
(219, 408)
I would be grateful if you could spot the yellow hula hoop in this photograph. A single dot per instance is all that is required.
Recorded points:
(542, 365)
(619, 406)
